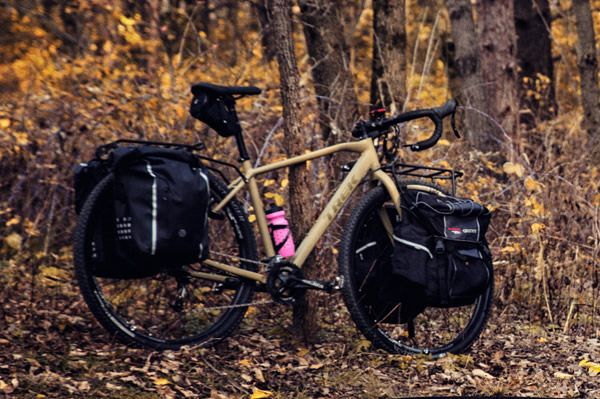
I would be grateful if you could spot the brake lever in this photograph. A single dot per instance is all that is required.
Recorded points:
(453, 124)
(359, 130)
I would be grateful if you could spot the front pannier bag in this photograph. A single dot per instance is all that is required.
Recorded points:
(440, 252)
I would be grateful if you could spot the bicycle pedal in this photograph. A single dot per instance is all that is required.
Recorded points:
(217, 288)
(339, 283)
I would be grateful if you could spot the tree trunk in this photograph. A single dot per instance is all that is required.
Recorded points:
(388, 78)
(330, 61)
(498, 39)
(588, 70)
(232, 11)
(534, 53)
(467, 67)
(279, 11)
(263, 19)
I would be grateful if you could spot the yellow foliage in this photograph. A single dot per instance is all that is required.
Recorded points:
(245, 362)
(511, 168)
(14, 241)
(260, 394)
(536, 227)
(533, 185)
(276, 197)
(592, 366)
(538, 209)
(13, 221)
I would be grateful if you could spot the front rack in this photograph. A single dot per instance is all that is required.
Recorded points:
(424, 172)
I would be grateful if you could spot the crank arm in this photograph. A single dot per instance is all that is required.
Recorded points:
(303, 283)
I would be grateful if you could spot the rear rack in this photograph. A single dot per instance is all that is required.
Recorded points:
(105, 149)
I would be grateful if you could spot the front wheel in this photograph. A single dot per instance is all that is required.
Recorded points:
(365, 264)
(177, 306)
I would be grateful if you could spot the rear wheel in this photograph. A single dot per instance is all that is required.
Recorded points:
(172, 308)
(365, 250)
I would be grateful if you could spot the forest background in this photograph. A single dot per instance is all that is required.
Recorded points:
(74, 75)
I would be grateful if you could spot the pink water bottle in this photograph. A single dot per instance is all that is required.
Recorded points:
(280, 231)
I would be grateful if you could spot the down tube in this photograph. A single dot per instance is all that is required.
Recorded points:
(349, 184)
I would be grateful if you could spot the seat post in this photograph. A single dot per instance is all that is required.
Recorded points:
(239, 139)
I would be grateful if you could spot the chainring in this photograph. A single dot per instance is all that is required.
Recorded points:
(281, 280)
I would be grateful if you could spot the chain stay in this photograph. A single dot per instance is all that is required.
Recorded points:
(267, 265)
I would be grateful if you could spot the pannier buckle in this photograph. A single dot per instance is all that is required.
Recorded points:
(439, 247)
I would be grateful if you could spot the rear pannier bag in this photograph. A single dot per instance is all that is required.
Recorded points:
(218, 112)
(440, 252)
(154, 215)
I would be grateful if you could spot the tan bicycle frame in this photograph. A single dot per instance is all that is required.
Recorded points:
(367, 162)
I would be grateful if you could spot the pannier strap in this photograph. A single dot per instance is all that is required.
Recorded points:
(202, 87)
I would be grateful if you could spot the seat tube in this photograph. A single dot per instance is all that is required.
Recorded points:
(259, 210)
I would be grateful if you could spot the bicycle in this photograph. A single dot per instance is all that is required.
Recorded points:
(203, 303)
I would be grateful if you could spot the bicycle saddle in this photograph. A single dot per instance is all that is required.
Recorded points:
(224, 90)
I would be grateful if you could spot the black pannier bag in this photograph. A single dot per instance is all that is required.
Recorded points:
(154, 215)
(218, 112)
(440, 255)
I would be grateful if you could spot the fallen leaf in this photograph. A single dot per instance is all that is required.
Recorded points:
(260, 394)
(302, 352)
(161, 381)
(482, 374)
(593, 367)
(245, 362)
(258, 374)
(563, 376)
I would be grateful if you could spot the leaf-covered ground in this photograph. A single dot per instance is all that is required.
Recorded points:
(52, 347)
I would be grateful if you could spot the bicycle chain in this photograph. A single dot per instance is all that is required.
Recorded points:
(240, 305)
(256, 262)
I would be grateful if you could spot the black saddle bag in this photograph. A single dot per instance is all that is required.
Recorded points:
(218, 112)
(440, 255)
(154, 215)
